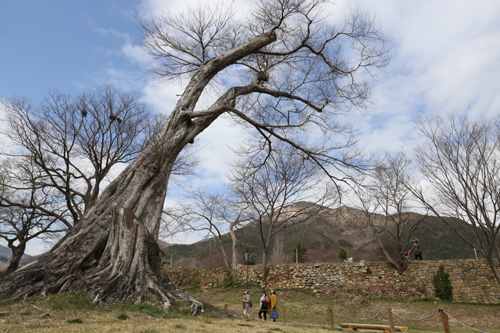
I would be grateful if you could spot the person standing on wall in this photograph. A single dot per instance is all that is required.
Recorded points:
(264, 305)
(418, 250)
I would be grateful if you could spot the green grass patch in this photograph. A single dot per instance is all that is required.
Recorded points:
(35, 326)
(144, 309)
(303, 291)
(388, 299)
(426, 300)
(123, 317)
(75, 321)
(305, 312)
(180, 326)
(77, 301)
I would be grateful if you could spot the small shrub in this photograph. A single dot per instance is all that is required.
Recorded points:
(123, 317)
(228, 281)
(343, 254)
(300, 251)
(442, 284)
(195, 282)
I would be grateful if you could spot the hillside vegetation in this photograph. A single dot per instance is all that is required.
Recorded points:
(324, 236)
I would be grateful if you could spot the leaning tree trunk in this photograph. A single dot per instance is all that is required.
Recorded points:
(400, 263)
(223, 253)
(113, 251)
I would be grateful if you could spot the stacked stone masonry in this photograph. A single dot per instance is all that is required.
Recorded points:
(472, 280)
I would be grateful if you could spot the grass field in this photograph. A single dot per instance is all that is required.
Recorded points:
(304, 312)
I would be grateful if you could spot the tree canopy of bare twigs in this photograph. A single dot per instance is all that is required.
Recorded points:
(213, 213)
(387, 201)
(289, 72)
(71, 144)
(20, 224)
(460, 161)
(282, 189)
(297, 87)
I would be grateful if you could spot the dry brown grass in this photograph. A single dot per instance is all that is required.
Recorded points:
(305, 312)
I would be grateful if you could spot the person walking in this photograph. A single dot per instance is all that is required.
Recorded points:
(274, 303)
(264, 305)
(247, 304)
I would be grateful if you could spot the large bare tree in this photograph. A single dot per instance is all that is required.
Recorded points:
(298, 73)
(460, 160)
(64, 148)
(387, 202)
(282, 188)
(71, 144)
(19, 224)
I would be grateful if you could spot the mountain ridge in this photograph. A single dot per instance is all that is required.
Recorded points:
(324, 235)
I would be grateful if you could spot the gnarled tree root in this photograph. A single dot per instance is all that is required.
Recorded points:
(125, 264)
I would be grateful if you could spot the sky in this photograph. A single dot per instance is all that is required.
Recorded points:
(445, 57)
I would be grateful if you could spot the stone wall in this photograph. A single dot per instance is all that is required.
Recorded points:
(472, 280)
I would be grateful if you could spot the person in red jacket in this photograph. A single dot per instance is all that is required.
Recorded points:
(264, 305)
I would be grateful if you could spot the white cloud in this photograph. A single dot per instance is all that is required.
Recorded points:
(216, 156)
(444, 57)
(136, 54)
(161, 96)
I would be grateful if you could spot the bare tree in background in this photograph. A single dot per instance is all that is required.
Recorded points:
(278, 255)
(215, 214)
(387, 203)
(283, 189)
(21, 223)
(72, 144)
(288, 72)
(460, 160)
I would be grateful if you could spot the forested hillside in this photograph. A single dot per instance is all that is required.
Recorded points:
(324, 236)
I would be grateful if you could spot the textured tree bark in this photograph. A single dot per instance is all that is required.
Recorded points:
(113, 252)
(265, 267)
